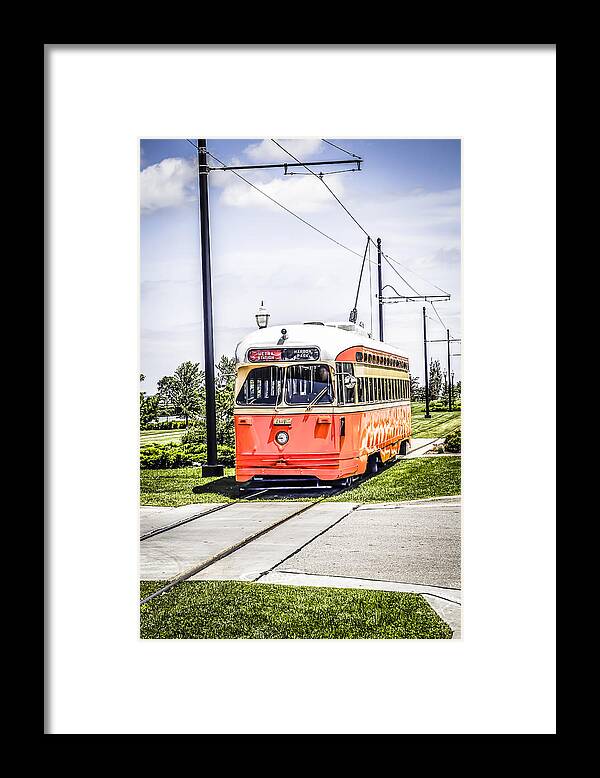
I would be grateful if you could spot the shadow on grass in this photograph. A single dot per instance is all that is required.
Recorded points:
(228, 487)
(225, 486)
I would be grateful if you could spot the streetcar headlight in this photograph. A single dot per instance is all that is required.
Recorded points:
(282, 437)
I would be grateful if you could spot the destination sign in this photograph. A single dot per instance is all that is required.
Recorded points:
(264, 355)
(301, 354)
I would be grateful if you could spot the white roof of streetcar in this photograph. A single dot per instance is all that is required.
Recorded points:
(330, 337)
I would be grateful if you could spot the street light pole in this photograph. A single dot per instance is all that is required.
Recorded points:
(427, 414)
(211, 468)
(449, 386)
(380, 283)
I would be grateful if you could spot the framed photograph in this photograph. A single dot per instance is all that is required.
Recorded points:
(283, 283)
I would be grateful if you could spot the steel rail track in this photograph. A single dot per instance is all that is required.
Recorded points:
(179, 523)
(235, 547)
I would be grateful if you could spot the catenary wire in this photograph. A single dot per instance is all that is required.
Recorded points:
(443, 291)
(356, 220)
(398, 274)
(272, 199)
(388, 258)
(329, 189)
(356, 156)
(362, 267)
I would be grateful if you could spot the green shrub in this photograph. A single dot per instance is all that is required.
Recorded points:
(452, 443)
(164, 425)
(195, 435)
(170, 455)
(442, 405)
(159, 457)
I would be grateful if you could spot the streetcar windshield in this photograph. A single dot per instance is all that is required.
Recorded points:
(261, 387)
(308, 383)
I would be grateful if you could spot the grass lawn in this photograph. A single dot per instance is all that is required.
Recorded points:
(440, 424)
(239, 609)
(408, 479)
(184, 486)
(160, 436)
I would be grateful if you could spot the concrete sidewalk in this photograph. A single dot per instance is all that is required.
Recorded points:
(171, 553)
(420, 446)
(270, 550)
(153, 517)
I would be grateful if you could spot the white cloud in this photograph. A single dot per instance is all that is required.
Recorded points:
(171, 182)
(266, 151)
(302, 194)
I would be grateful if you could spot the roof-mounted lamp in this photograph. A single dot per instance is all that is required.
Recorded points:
(262, 316)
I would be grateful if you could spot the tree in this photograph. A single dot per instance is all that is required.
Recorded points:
(225, 371)
(182, 393)
(224, 400)
(148, 410)
(148, 407)
(417, 392)
(435, 379)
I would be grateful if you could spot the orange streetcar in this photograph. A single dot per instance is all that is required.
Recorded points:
(318, 403)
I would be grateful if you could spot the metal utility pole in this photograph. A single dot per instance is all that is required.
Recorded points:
(380, 284)
(449, 385)
(211, 468)
(427, 414)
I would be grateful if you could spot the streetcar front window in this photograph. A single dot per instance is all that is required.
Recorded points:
(305, 384)
(261, 387)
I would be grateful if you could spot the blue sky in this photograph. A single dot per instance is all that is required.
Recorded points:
(407, 193)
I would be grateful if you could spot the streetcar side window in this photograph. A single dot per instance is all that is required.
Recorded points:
(360, 385)
(346, 383)
(261, 387)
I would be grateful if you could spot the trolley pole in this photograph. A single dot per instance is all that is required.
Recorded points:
(211, 467)
(427, 414)
(449, 384)
(380, 283)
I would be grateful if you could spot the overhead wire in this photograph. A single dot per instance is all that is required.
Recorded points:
(387, 257)
(437, 314)
(273, 200)
(410, 270)
(355, 220)
(356, 156)
(399, 275)
(370, 290)
(362, 267)
(289, 153)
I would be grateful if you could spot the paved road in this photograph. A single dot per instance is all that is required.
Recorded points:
(413, 542)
